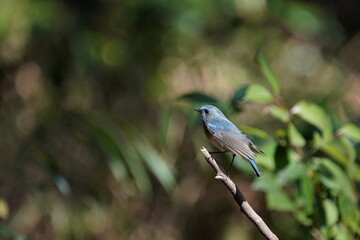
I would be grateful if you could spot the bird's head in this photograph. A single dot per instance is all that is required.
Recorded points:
(209, 112)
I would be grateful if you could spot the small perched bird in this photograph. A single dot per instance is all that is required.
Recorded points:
(224, 135)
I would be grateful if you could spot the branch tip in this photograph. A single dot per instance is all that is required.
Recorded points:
(239, 197)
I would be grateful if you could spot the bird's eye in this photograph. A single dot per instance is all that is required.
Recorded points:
(206, 111)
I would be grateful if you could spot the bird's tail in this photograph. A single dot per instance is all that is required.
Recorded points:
(255, 167)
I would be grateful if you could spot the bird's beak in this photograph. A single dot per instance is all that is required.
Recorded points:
(197, 109)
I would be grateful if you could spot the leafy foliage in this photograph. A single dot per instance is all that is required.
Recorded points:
(98, 139)
(268, 73)
(320, 192)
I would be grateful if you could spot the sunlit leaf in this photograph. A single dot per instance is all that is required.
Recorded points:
(350, 130)
(332, 150)
(281, 133)
(293, 156)
(196, 97)
(295, 137)
(348, 147)
(257, 93)
(4, 208)
(331, 212)
(268, 72)
(330, 183)
(117, 169)
(157, 164)
(280, 113)
(341, 232)
(318, 140)
(315, 115)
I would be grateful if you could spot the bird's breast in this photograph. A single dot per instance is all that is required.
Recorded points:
(213, 140)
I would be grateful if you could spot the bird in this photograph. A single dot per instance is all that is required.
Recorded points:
(225, 136)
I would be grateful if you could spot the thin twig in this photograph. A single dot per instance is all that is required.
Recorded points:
(239, 197)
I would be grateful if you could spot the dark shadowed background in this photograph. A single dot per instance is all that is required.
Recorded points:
(99, 140)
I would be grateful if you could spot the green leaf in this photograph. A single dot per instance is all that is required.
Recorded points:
(347, 209)
(308, 193)
(254, 131)
(295, 138)
(293, 171)
(303, 218)
(157, 164)
(268, 72)
(331, 212)
(330, 183)
(333, 151)
(267, 184)
(281, 160)
(341, 232)
(257, 93)
(278, 200)
(267, 160)
(280, 113)
(165, 119)
(196, 97)
(318, 140)
(325, 232)
(355, 172)
(114, 158)
(302, 18)
(350, 130)
(239, 94)
(348, 147)
(281, 133)
(315, 115)
(275, 197)
(349, 212)
(119, 149)
(136, 167)
(108, 145)
(339, 182)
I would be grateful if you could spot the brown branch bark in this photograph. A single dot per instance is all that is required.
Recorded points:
(239, 197)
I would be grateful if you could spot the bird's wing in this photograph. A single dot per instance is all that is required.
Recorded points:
(252, 146)
(255, 148)
(235, 141)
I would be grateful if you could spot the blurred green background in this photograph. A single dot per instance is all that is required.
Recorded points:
(99, 140)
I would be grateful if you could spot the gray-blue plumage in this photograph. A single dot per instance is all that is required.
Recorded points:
(224, 135)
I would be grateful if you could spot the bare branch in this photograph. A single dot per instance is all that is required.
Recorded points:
(239, 197)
